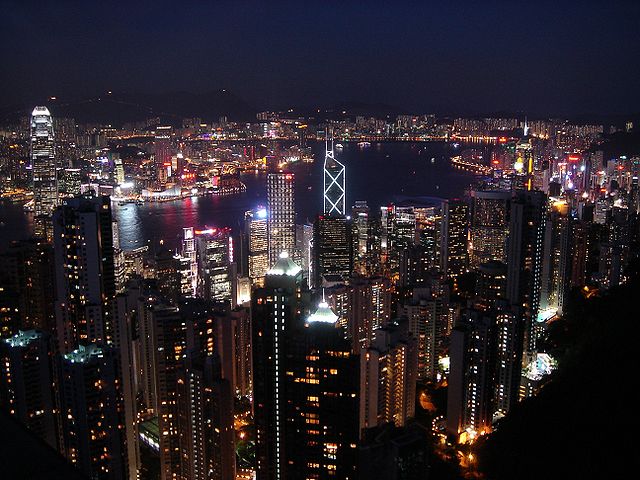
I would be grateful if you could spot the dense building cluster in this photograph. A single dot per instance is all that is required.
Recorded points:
(293, 350)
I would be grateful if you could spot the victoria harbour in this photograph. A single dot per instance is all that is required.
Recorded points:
(379, 174)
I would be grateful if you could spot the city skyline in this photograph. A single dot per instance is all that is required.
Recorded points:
(214, 286)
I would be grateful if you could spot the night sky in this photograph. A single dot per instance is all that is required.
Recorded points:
(561, 57)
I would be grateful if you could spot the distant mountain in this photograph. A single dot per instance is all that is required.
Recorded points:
(119, 108)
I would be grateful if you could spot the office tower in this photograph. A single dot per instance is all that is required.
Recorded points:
(276, 309)
(360, 235)
(71, 181)
(331, 247)
(453, 247)
(190, 263)
(322, 433)
(205, 420)
(166, 270)
(556, 260)
(525, 257)
(489, 226)
(334, 196)
(162, 153)
(304, 246)
(281, 214)
(27, 272)
(214, 264)
(491, 284)
(91, 412)
(257, 243)
(84, 272)
(27, 382)
(428, 232)
(388, 377)
(44, 169)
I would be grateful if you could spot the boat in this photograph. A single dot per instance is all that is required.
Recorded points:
(339, 146)
(364, 144)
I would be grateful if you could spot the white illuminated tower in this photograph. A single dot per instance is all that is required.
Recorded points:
(43, 164)
(281, 214)
(334, 181)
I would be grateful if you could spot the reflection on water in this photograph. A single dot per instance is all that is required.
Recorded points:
(377, 174)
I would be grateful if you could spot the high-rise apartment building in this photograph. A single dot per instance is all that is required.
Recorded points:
(388, 377)
(27, 382)
(84, 272)
(281, 214)
(91, 412)
(205, 418)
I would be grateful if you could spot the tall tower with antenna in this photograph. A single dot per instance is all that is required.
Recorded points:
(333, 180)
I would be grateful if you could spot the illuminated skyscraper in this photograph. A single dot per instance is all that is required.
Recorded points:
(525, 258)
(322, 396)
(334, 182)
(453, 246)
(43, 165)
(190, 270)
(388, 377)
(257, 244)
(489, 226)
(276, 310)
(205, 413)
(214, 264)
(281, 214)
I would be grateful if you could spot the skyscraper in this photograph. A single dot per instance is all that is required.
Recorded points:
(333, 174)
(388, 377)
(27, 382)
(257, 244)
(453, 247)
(44, 168)
(525, 257)
(276, 309)
(489, 226)
(84, 272)
(91, 412)
(205, 416)
(331, 247)
(214, 264)
(322, 397)
(281, 214)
